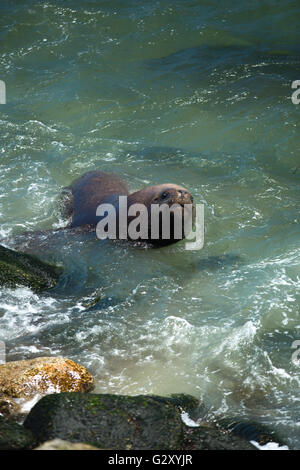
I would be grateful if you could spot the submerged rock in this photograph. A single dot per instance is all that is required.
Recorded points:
(252, 431)
(14, 436)
(30, 379)
(20, 269)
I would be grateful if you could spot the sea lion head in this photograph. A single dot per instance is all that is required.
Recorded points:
(168, 205)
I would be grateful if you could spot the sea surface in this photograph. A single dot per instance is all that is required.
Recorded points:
(193, 92)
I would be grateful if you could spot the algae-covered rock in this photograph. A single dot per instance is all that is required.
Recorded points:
(14, 436)
(59, 444)
(40, 376)
(107, 421)
(20, 269)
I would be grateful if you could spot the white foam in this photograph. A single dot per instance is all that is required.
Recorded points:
(27, 405)
(188, 421)
(269, 446)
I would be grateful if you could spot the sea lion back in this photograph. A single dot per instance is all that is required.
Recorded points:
(90, 190)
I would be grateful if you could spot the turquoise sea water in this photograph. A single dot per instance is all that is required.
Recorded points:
(196, 93)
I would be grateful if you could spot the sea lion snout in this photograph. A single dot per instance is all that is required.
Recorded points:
(184, 197)
(170, 194)
(180, 196)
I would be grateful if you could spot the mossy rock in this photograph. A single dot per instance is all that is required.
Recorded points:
(20, 269)
(14, 436)
(107, 421)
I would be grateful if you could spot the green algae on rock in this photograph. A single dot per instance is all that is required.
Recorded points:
(21, 269)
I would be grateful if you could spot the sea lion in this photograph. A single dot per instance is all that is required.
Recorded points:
(96, 188)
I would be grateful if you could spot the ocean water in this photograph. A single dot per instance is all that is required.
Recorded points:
(193, 92)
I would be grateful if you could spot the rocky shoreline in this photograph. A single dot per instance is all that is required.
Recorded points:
(48, 403)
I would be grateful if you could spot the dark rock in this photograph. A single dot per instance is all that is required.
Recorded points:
(208, 438)
(252, 431)
(13, 436)
(107, 421)
(125, 422)
(180, 400)
(20, 269)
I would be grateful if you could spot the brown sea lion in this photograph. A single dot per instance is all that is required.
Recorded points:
(96, 188)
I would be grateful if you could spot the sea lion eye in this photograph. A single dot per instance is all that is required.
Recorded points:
(164, 195)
